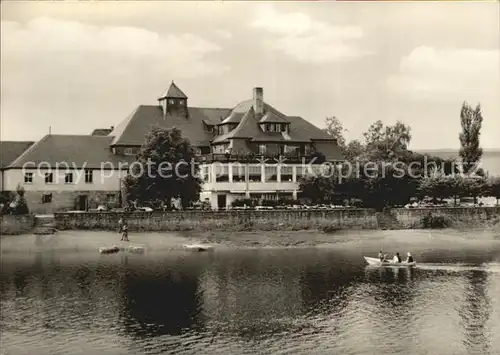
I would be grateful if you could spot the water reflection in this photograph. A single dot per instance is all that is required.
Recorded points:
(259, 301)
(160, 301)
(475, 313)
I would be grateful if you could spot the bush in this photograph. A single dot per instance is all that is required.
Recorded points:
(330, 228)
(434, 222)
(269, 203)
(21, 204)
(243, 202)
(288, 202)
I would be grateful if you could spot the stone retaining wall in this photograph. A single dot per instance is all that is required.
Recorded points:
(278, 220)
(16, 224)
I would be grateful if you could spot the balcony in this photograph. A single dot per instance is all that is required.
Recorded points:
(259, 158)
(242, 187)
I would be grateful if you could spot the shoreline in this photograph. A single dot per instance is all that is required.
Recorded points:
(174, 241)
(246, 221)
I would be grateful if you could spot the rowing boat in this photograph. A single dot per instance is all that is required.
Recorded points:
(198, 247)
(109, 250)
(377, 262)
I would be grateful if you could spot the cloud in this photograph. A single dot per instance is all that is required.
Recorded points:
(444, 74)
(122, 49)
(74, 76)
(223, 34)
(306, 39)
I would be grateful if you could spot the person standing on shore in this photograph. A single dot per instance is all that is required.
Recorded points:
(124, 232)
(120, 225)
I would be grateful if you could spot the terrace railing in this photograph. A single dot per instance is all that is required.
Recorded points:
(259, 158)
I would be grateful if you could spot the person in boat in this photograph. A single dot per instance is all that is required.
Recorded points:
(409, 258)
(397, 258)
(124, 233)
(382, 257)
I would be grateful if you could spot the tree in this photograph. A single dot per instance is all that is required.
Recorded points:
(335, 129)
(387, 143)
(21, 204)
(354, 150)
(439, 186)
(470, 151)
(494, 188)
(165, 169)
(472, 186)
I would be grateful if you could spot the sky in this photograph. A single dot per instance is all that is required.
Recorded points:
(76, 66)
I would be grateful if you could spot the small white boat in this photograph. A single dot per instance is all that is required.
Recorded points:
(109, 250)
(198, 247)
(135, 249)
(389, 263)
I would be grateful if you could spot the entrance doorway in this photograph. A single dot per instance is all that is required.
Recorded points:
(221, 202)
(82, 202)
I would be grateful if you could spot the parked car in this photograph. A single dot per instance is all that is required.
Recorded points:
(260, 208)
(239, 208)
(143, 209)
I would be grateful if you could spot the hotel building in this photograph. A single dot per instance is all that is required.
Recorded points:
(252, 150)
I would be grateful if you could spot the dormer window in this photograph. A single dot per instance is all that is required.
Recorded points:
(182, 102)
(171, 102)
(128, 151)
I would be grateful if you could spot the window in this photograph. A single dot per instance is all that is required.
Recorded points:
(111, 199)
(181, 102)
(128, 151)
(68, 178)
(28, 178)
(262, 149)
(46, 198)
(89, 176)
(254, 173)
(284, 127)
(239, 172)
(49, 178)
(206, 174)
(273, 127)
(271, 173)
(221, 173)
(172, 102)
(268, 127)
(286, 173)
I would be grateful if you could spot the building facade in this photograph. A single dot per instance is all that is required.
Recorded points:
(249, 151)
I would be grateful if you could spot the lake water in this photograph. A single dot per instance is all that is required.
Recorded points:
(312, 300)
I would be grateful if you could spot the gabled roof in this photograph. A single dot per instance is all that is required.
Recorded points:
(234, 117)
(79, 151)
(101, 131)
(11, 150)
(173, 92)
(133, 130)
(300, 130)
(273, 116)
(247, 128)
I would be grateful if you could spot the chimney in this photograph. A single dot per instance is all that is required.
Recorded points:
(258, 101)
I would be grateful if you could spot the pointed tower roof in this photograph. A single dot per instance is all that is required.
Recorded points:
(173, 92)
